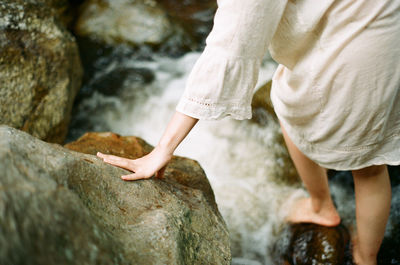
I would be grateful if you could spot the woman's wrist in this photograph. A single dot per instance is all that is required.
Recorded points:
(165, 149)
(177, 129)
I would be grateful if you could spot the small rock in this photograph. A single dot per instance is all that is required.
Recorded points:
(305, 244)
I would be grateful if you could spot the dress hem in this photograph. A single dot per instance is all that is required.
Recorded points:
(360, 158)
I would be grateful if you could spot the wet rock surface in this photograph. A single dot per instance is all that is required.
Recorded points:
(40, 69)
(305, 244)
(61, 207)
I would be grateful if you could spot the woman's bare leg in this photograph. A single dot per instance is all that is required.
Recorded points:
(319, 208)
(373, 196)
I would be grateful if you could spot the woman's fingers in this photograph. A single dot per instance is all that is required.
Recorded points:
(117, 161)
(142, 168)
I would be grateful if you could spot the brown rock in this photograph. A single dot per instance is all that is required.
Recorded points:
(110, 143)
(180, 169)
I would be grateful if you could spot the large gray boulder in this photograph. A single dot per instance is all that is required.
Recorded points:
(40, 69)
(59, 206)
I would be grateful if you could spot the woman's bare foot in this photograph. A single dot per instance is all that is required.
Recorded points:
(303, 211)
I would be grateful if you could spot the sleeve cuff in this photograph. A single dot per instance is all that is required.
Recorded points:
(205, 111)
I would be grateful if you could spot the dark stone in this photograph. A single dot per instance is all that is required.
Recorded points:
(94, 55)
(113, 82)
(305, 244)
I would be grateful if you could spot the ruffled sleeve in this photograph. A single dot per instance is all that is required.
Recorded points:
(223, 79)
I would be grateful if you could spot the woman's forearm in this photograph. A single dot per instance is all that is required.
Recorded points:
(177, 129)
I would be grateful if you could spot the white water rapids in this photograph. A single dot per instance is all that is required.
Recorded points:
(239, 157)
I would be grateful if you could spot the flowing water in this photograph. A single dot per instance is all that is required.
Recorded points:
(240, 158)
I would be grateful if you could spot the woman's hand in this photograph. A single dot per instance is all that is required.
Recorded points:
(145, 167)
(155, 162)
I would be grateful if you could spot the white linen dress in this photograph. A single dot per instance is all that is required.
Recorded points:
(336, 89)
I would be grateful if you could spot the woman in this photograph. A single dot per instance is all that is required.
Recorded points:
(335, 92)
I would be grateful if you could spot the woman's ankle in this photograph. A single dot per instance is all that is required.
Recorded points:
(302, 211)
(360, 258)
(325, 207)
(322, 204)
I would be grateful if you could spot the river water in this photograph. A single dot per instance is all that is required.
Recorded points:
(240, 158)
